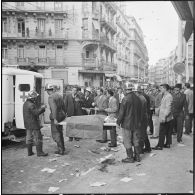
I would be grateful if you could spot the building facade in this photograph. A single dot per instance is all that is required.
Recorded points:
(73, 41)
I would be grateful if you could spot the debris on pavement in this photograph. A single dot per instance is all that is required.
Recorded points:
(97, 184)
(140, 174)
(52, 159)
(126, 179)
(66, 164)
(94, 151)
(76, 146)
(138, 165)
(115, 149)
(56, 166)
(85, 173)
(152, 154)
(102, 167)
(77, 170)
(109, 161)
(106, 157)
(78, 174)
(62, 180)
(53, 189)
(19, 182)
(105, 149)
(48, 170)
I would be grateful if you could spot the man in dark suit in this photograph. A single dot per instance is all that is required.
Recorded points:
(130, 120)
(179, 110)
(88, 100)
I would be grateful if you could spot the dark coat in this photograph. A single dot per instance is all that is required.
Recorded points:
(88, 102)
(31, 115)
(179, 104)
(148, 102)
(69, 105)
(130, 112)
(56, 104)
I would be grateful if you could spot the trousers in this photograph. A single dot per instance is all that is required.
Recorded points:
(188, 124)
(144, 141)
(165, 132)
(57, 135)
(34, 136)
(178, 121)
(156, 126)
(150, 121)
(131, 138)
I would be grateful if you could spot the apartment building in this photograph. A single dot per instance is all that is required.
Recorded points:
(73, 41)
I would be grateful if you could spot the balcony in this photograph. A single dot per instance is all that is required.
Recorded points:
(106, 42)
(109, 24)
(90, 63)
(109, 66)
(21, 61)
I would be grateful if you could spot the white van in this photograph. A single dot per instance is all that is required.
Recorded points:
(16, 84)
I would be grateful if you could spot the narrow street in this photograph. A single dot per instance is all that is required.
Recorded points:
(166, 171)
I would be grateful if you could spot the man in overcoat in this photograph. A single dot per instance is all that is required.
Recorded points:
(57, 106)
(32, 124)
(129, 119)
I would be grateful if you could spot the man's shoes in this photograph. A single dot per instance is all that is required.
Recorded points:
(128, 160)
(154, 137)
(101, 141)
(77, 138)
(167, 146)
(112, 145)
(157, 148)
(147, 150)
(60, 152)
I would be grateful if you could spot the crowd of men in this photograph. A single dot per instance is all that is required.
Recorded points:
(159, 111)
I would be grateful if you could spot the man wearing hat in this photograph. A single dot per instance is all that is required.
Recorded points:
(129, 119)
(88, 99)
(179, 110)
(57, 114)
(144, 141)
(32, 124)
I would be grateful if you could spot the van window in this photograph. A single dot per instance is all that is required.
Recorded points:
(24, 87)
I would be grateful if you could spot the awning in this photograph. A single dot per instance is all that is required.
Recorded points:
(188, 30)
(109, 75)
(113, 75)
(96, 25)
(118, 78)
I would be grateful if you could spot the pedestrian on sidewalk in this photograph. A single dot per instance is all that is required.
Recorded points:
(32, 124)
(129, 119)
(57, 115)
(189, 117)
(179, 110)
(165, 117)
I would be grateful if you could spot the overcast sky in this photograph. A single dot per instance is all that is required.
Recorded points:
(159, 23)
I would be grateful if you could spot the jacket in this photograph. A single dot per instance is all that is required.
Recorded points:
(31, 115)
(179, 104)
(102, 103)
(130, 112)
(69, 105)
(56, 105)
(144, 113)
(165, 113)
(189, 99)
(112, 107)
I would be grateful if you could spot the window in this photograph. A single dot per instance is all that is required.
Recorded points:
(58, 24)
(20, 4)
(85, 24)
(41, 5)
(21, 27)
(87, 54)
(24, 87)
(41, 25)
(59, 46)
(42, 51)
(4, 25)
(58, 5)
(4, 52)
(21, 51)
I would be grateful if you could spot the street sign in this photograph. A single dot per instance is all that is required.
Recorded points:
(179, 68)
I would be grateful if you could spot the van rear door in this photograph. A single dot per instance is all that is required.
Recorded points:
(23, 84)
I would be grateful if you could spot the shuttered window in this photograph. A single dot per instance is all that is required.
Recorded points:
(42, 51)
(41, 25)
